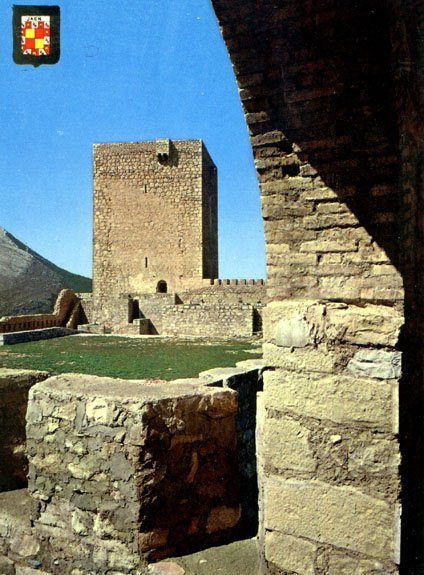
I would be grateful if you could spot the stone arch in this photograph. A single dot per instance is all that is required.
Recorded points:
(333, 117)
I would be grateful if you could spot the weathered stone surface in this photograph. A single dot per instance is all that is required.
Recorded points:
(378, 457)
(318, 359)
(6, 566)
(131, 466)
(340, 516)
(285, 445)
(337, 398)
(166, 568)
(339, 564)
(293, 323)
(24, 545)
(24, 570)
(377, 363)
(367, 325)
(290, 553)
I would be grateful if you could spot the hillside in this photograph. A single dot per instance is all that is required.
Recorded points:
(28, 282)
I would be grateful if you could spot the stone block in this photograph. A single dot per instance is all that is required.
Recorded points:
(318, 359)
(25, 570)
(296, 323)
(338, 564)
(290, 553)
(129, 466)
(6, 566)
(337, 398)
(285, 445)
(378, 457)
(363, 325)
(377, 363)
(340, 516)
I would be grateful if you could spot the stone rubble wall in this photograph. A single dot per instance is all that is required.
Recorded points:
(208, 320)
(123, 472)
(14, 388)
(229, 293)
(181, 314)
(315, 83)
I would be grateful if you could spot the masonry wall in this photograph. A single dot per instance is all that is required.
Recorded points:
(123, 472)
(208, 320)
(315, 82)
(61, 316)
(154, 219)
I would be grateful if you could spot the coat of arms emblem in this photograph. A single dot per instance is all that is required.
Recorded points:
(36, 34)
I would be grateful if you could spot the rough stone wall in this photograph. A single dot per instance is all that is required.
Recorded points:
(315, 83)
(66, 301)
(208, 320)
(151, 307)
(27, 322)
(14, 387)
(248, 383)
(231, 293)
(123, 471)
(151, 211)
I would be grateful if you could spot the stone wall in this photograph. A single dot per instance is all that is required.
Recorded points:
(208, 320)
(154, 220)
(14, 388)
(65, 303)
(27, 322)
(315, 80)
(226, 291)
(123, 472)
(221, 310)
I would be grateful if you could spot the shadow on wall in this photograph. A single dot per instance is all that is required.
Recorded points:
(333, 94)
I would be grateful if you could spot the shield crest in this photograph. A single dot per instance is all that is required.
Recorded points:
(35, 35)
(36, 32)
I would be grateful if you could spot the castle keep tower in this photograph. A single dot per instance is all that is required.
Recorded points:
(155, 220)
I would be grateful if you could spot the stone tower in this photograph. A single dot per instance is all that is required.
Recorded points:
(155, 220)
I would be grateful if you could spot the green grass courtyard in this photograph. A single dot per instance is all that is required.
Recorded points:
(129, 358)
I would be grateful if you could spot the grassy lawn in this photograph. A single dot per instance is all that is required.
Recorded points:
(129, 358)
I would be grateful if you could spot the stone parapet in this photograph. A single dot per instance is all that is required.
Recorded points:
(126, 471)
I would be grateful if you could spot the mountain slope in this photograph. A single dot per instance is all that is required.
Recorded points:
(28, 282)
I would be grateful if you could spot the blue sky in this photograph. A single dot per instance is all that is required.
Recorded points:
(130, 70)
